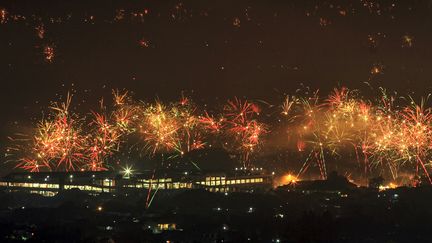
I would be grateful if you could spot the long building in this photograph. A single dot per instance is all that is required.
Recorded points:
(50, 183)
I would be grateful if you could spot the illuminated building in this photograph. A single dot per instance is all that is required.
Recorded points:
(49, 183)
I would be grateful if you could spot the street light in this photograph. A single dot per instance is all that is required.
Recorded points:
(127, 171)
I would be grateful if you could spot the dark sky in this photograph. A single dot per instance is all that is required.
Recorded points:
(211, 49)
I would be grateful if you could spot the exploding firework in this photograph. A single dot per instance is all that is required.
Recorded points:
(126, 112)
(57, 143)
(49, 53)
(377, 134)
(243, 130)
(158, 128)
(104, 141)
(407, 41)
(173, 128)
(40, 31)
(3, 16)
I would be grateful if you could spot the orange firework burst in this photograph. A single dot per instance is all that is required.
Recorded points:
(3, 16)
(65, 142)
(49, 53)
(243, 130)
(375, 133)
(105, 140)
(211, 124)
(126, 113)
(158, 128)
(171, 128)
(40, 31)
(58, 142)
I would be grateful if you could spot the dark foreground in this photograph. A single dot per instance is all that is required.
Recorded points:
(360, 215)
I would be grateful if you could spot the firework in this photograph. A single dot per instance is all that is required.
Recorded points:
(236, 22)
(143, 42)
(49, 53)
(377, 69)
(104, 141)
(158, 127)
(287, 105)
(66, 142)
(407, 41)
(191, 133)
(126, 112)
(57, 143)
(40, 31)
(244, 132)
(211, 124)
(173, 128)
(377, 134)
(3, 16)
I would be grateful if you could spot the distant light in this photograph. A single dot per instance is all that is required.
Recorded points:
(28, 177)
(71, 176)
(185, 172)
(99, 208)
(127, 171)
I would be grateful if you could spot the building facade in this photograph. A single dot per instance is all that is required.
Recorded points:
(50, 183)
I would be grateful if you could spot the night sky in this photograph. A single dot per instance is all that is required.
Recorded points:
(210, 49)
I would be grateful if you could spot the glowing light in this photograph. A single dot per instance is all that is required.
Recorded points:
(49, 53)
(127, 171)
